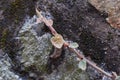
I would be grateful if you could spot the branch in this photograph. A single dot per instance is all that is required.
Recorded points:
(49, 23)
(90, 63)
(80, 56)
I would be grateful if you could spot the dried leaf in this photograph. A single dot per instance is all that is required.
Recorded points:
(114, 21)
(57, 41)
(82, 64)
(73, 45)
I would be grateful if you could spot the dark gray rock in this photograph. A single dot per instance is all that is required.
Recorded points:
(76, 20)
(5, 68)
(36, 50)
(79, 21)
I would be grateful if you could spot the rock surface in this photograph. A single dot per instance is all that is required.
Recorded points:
(36, 51)
(76, 20)
(12, 15)
(79, 21)
(5, 68)
(111, 7)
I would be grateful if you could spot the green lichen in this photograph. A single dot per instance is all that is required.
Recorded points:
(3, 39)
(69, 66)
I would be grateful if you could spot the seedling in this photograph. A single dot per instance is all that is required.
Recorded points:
(58, 42)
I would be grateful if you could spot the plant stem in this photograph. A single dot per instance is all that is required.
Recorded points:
(53, 31)
(90, 63)
(57, 52)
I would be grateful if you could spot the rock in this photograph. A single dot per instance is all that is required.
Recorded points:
(80, 22)
(111, 7)
(5, 68)
(35, 53)
(68, 69)
(75, 19)
(1, 15)
(36, 49)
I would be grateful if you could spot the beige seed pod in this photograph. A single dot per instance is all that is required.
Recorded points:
(57, 41)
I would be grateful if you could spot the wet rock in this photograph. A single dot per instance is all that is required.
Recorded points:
(111, 7)
(5, 68)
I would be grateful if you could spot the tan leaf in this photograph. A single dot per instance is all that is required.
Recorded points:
(114, 21)
(57, 41)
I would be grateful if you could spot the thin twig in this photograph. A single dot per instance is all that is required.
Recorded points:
(53, 31)
(49, 23)
(90, 63)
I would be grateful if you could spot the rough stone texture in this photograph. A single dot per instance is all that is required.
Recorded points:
(3, 5)
(111, 7)
(1, 15)
(35, 49)
(79, 21)
(5, 68)
(76, 20)
(12, 15)
(35, 53)
(68, 69)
